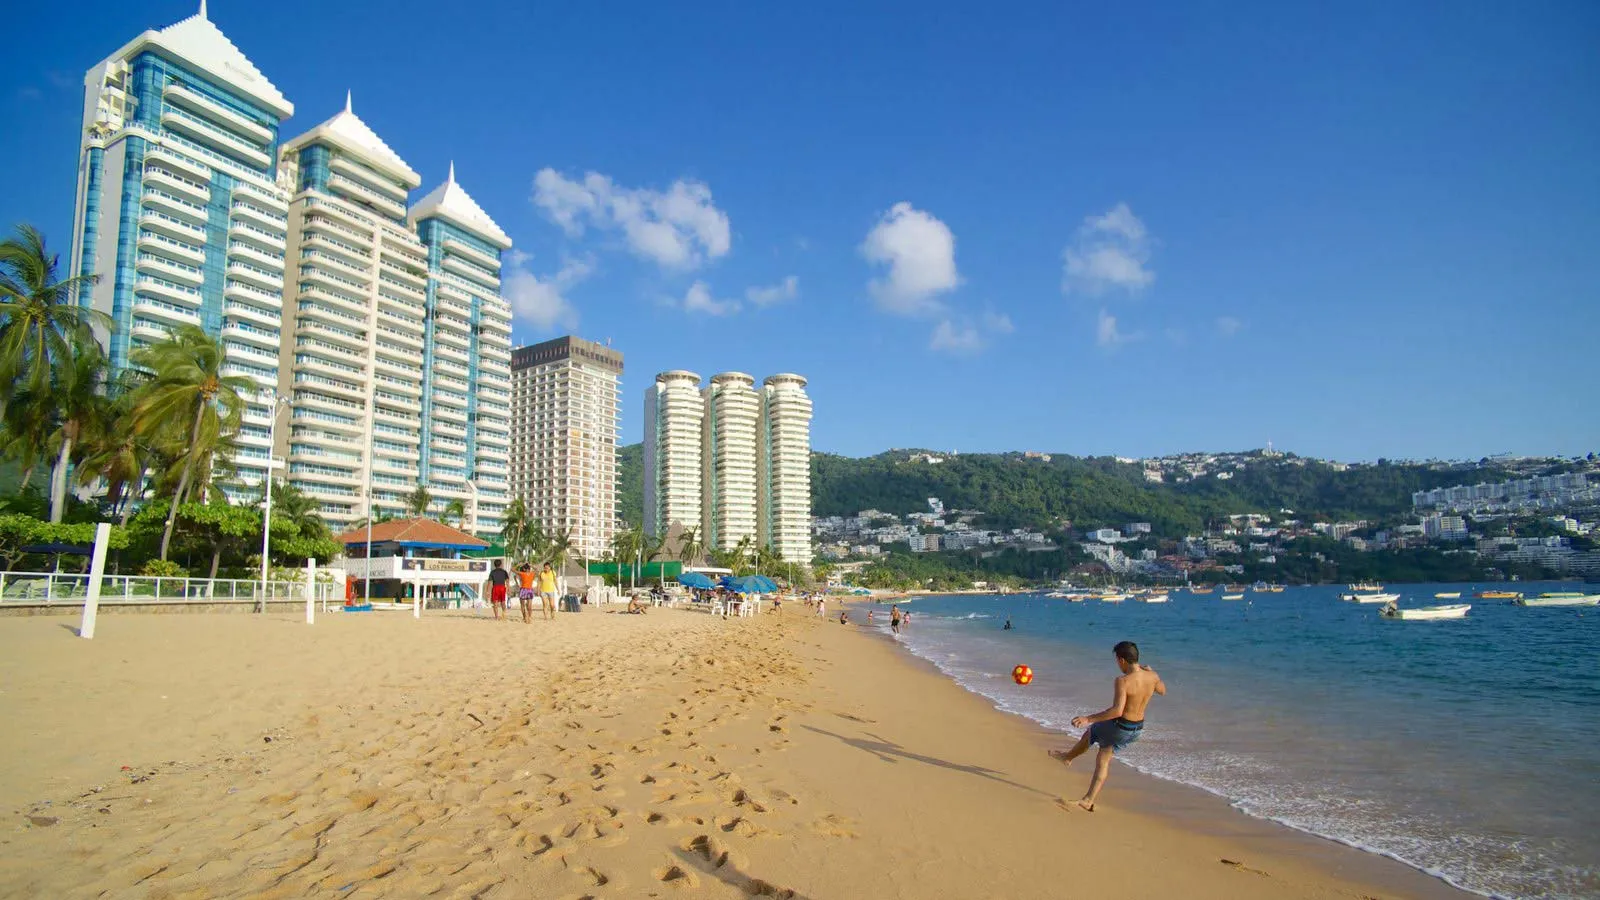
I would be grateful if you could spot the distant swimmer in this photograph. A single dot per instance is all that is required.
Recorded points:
(1008, 624)
(1118, 725)
(844, 617)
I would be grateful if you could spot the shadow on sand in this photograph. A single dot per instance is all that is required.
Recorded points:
(889, 752)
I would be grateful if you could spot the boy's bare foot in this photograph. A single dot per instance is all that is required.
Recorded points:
(1061, 756)
(1086, 806)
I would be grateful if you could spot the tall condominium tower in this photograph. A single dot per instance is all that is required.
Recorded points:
(179, 210)
(729, 510)
(673, 415)
(566, 414)
(356, 323)
(784, 454)
(466, 360)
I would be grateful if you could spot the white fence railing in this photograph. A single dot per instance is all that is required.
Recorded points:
(69, 588)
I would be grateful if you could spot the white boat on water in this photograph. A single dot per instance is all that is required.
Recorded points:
(1113, 598)
(1233, 596)
(1370, 598)
(1447, 611)
(1365, 587)
(1058, 595)
(1448, 595)
(1560, 598)
(1153, 598)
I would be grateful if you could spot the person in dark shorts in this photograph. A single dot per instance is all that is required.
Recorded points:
(894, 618)
(1118, 725)
(498, 579)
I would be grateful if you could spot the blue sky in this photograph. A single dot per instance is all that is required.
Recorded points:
(1356, 230)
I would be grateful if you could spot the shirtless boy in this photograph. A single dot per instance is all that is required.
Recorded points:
(1119, 724)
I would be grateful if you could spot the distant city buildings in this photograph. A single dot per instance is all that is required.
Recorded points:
(1522, 495)
(566, 415)
(730, 460)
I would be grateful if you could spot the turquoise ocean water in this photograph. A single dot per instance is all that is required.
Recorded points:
(1469, 749)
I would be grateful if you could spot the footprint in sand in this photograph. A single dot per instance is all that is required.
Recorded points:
(677, 876)
(834, 826)
(707, 850)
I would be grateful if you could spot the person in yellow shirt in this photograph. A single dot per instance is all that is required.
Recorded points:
(547, 590)
(525, 591)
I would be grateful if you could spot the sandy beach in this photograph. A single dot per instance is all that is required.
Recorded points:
(666, 755)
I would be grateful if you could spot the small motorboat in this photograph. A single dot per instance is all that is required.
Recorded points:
(1448, 595)
(1365, 587)
(1113, 598)
(1447, 611)
(1233, 596)
(1498, 595)
(1370, 598)
(1152, 598)
(1560, 598)
(1196, 589)
(1273, 589)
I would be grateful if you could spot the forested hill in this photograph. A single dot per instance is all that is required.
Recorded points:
(1015, 491)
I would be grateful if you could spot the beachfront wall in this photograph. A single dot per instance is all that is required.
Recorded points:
(650, 571)
(419, 570)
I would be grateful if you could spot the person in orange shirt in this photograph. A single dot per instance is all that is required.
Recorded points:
(525, 579)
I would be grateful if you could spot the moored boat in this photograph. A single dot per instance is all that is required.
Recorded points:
(1233, 596)
(1365, 587)
(1370, 598)
(1273, 589)
(1447, 611)
(1560, 598)
(1196, 589)
(1498, 595)
(1152, 598)
(1448, 595)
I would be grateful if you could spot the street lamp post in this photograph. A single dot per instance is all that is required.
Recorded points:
(274, 405)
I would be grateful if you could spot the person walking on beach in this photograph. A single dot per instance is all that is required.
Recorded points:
(894, 618)
(547, 591)
(1118, 725)
(525, 591)
(498, 577)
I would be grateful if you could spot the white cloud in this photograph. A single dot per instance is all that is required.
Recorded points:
(679, 228)
(699, 300)
(542, 301)
(963, 340)
(920, 252)
(968, 338)
(1228, 326)
(787, 289)
(1108, 335)
(1110, 252)
(999, 323)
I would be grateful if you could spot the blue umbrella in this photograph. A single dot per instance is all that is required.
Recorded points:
(754, 584)
(695, 580)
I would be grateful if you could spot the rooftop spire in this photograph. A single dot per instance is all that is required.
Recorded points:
(202, 9)
(346, 93)
(451, 178)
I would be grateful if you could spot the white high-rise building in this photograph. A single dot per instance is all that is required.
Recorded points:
(673, 415)
(732, 424)
(566, 415)
(179, 209)
(466, 363)
(357, 322)
(784, 452)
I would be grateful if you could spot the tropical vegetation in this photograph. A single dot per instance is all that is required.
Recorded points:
(151, 448)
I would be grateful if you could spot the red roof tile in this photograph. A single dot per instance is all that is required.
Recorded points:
(421, 531)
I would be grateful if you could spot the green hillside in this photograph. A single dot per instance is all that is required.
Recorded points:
(1014, 491)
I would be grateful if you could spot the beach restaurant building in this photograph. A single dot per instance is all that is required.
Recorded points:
(407, 558)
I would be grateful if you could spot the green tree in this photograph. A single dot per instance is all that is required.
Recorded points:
(691, 549)
(627, 545)
(456, 510)
(744, 552)
(189, 408)
(41, 321)
(82, 409)
(221, 527)
(117, 454)
(557, 548)
(418, 501)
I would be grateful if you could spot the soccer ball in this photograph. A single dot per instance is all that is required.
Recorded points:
(1022, 674)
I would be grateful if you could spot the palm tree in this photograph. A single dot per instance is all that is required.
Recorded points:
(557, 549)
(514, 528)
(767, 560)
(418, 501)
(28, 416)
(627, 545)
(745, 551)
(189, 407)
(690, 548)
(456, 509)
(295, 506)
(652, 549)
(117, 453)
(81, 408)
(41, 322)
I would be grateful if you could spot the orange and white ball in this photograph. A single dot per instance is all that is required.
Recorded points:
(1022, 674)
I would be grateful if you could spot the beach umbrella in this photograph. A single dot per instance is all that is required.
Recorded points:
(755, 584)
(695, 580)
